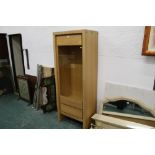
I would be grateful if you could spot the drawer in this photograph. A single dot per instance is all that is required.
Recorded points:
(69, 40)
(71, 112)
(73, 102)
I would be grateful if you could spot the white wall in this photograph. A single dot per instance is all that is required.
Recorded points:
(120, 57)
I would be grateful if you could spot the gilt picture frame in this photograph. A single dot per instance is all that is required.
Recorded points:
(149, 41)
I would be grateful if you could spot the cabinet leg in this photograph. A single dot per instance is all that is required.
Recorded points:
(60, 117)
(86, 124)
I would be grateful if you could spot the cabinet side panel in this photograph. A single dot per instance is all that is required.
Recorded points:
(56, 70)
(90, 63)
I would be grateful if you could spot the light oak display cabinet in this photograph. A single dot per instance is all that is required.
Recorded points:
(76, 57)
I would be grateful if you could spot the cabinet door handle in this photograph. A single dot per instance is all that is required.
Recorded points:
(67, 36)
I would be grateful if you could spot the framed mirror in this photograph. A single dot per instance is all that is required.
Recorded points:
(149, 41)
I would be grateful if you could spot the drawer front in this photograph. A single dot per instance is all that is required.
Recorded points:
(75, 103)
(69, 40)
(71, 112)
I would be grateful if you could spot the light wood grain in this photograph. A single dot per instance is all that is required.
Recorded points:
(69, 40)
(57, 81)
(72, 32)
(73, 101)
(129, 115)
(111, 122)
(90, 59)
(76, 73)
(71, 112)
(134, 118)
(145, 50)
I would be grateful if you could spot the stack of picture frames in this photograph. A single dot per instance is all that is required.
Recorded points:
(149, 41)
(44, 95)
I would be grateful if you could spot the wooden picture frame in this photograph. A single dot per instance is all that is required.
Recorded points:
(149, 41)
(24, 90)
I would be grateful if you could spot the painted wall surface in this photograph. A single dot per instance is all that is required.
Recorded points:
(119, 58)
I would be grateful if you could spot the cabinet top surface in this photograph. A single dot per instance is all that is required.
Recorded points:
(74, 32)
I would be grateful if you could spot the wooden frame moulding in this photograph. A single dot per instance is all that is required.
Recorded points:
(145, 50)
